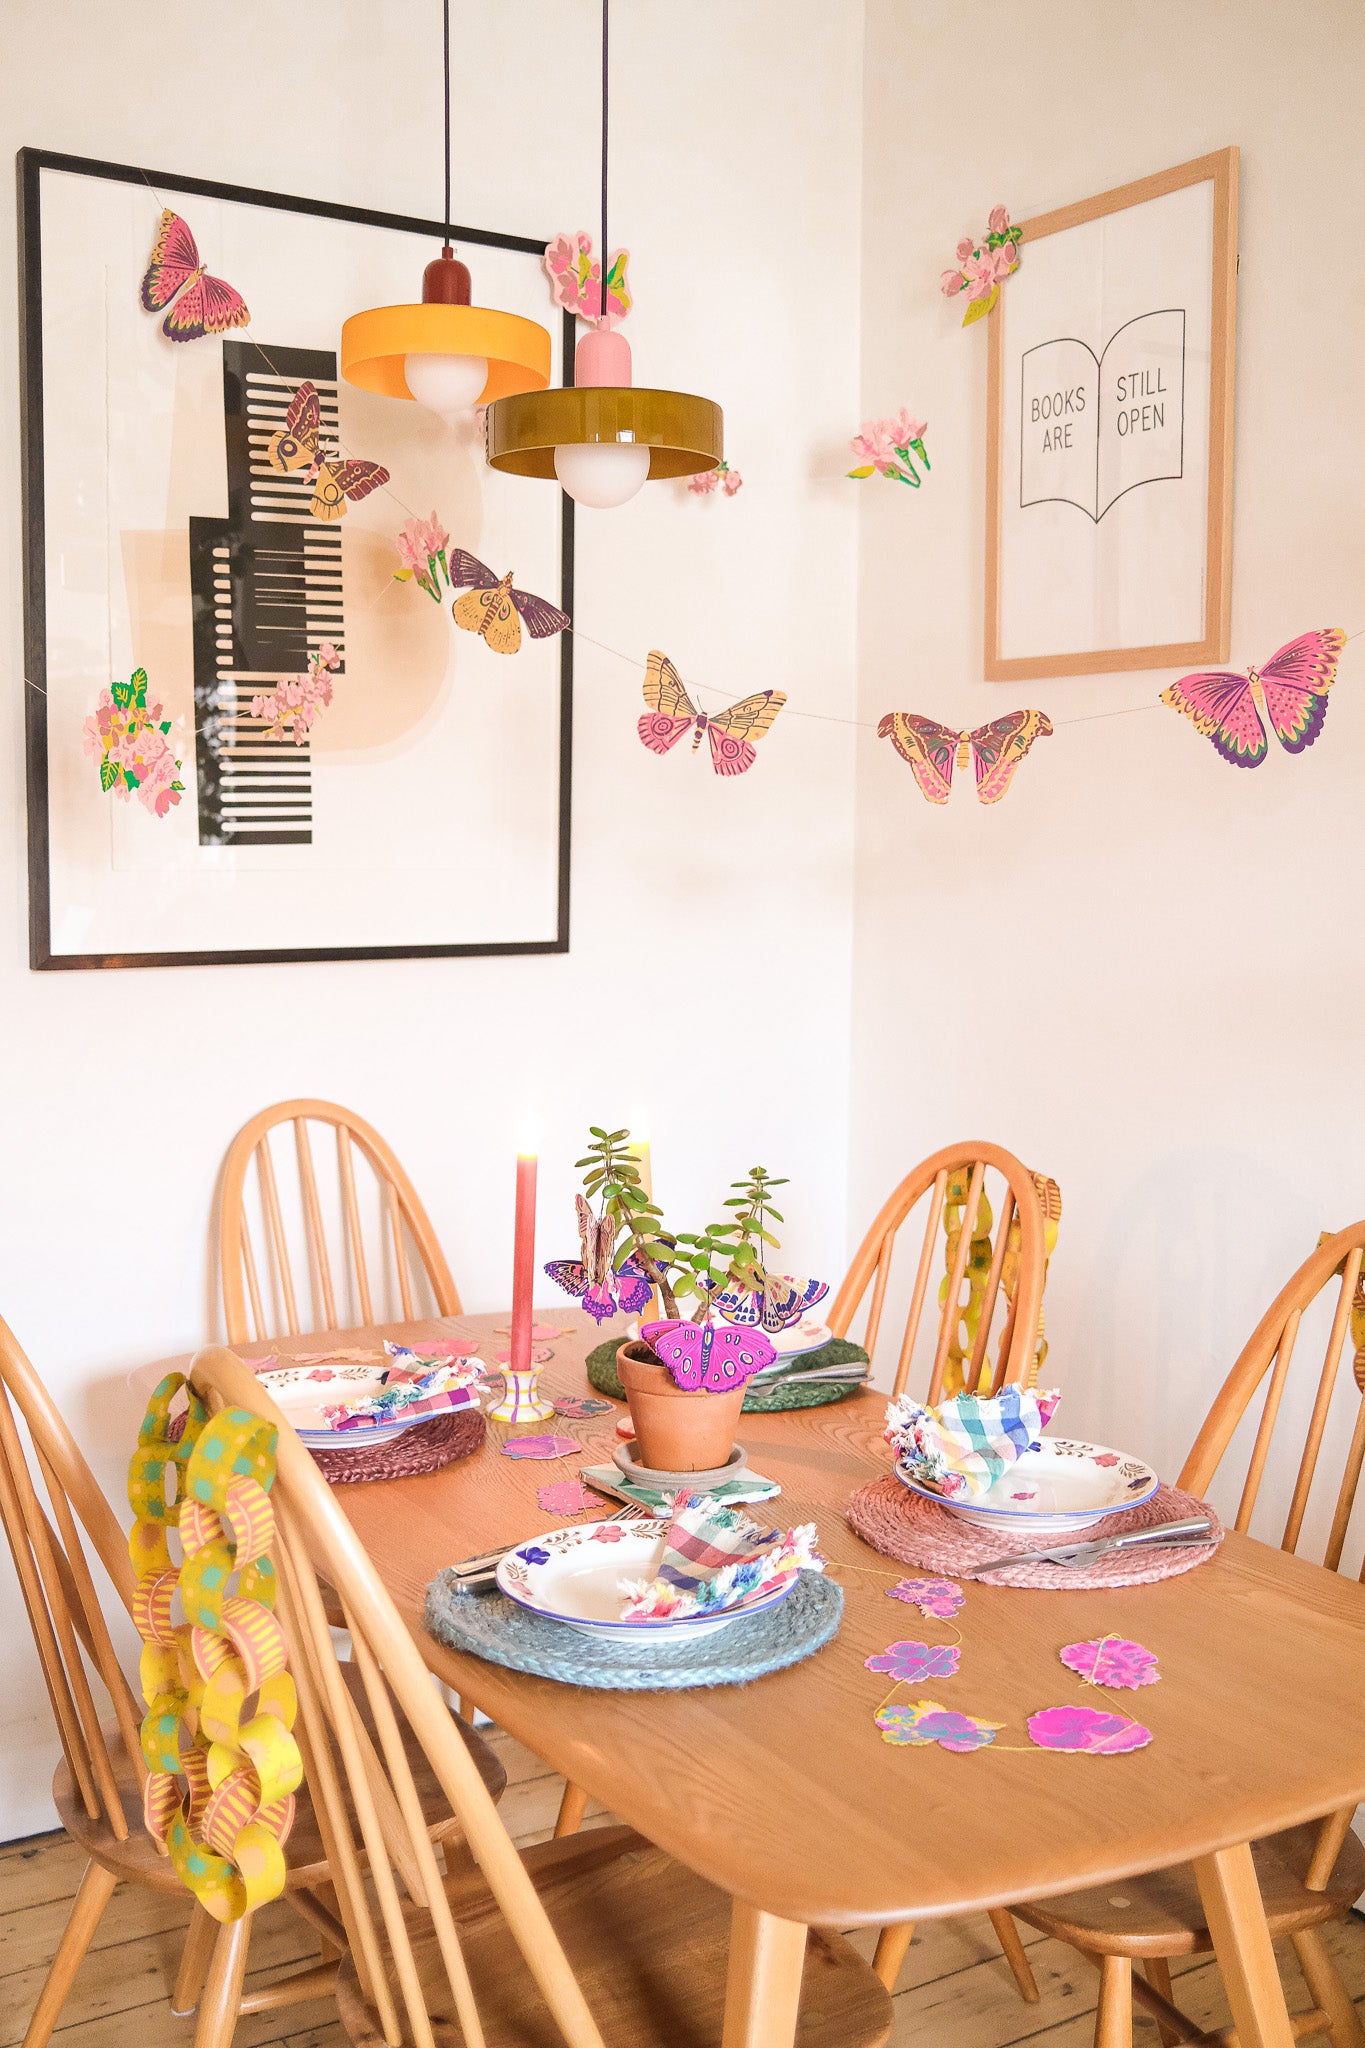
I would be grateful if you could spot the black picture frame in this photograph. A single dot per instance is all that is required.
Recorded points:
(30, 164)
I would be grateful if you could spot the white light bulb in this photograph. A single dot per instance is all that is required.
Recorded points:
(602, 473)
(447, 385)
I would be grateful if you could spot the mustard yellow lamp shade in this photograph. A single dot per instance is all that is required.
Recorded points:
(376, 345)
(684, 435)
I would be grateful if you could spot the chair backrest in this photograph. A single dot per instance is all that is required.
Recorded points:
(1269, 1352)
(953, 1184)
(387, 1831)
(403, 1219)
(74, 1647)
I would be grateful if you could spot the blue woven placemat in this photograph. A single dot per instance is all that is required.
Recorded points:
(491, 1626)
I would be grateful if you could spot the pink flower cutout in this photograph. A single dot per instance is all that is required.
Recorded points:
(925, 1722)
(999, 221)
(912, 1663)
(566, 1497)
(938, 1597)
(951, 283)
(540, 1447)
(964, 248)
(1085, 1730)
(1112, 1660)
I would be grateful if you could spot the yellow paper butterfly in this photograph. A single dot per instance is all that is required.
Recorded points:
(731, 732)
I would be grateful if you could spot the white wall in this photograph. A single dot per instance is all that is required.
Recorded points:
(725, 185)
(1141, 970)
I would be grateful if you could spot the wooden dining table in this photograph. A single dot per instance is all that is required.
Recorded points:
(783, 1793)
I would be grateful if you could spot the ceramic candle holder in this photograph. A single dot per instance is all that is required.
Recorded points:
(522, 1400)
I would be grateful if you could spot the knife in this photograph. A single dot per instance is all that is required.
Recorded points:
(1195, 1529)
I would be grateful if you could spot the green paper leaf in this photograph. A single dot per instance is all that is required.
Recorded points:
(108, 773)
(979, 308)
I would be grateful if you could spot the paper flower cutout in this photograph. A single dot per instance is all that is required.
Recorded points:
(1112, 1660)
(912, 1663)
(540, 1447)
(581, 1409)
(294, 703)
(939, 1597)
(1086, 1729)
(576, 280)
(884, 448)
(126, 734)
(983, 267)
(725, 479)
(421, 549)
(566, 1497)
(927, 1722)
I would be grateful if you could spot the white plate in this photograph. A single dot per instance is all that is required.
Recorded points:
(1059, 1486)
(303, 1391)
(574, 1575)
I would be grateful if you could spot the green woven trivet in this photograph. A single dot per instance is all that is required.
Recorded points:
(765, 1397)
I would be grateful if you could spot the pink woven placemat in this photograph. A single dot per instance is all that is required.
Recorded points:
(915, 1531)
(425, 1448)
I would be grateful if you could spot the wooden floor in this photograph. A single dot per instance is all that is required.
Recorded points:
(955, 1989)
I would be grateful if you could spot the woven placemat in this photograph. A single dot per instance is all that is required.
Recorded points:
(490, 1626)
(760, 1399)
(915, 1531)
(424, 1448)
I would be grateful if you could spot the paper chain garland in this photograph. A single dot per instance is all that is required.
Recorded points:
(226, 1835)
(963, 1340)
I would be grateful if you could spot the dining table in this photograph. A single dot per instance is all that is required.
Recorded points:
(783, 1792)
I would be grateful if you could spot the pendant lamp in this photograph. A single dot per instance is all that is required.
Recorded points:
(445, 353)
(601, 435)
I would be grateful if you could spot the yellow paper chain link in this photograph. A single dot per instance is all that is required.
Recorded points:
(977, 1271)
(225, 1835)
(1050, 1200)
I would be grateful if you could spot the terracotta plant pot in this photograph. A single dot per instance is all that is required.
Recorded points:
(676, 1430)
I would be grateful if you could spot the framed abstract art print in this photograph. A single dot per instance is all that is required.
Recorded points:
(248, 739)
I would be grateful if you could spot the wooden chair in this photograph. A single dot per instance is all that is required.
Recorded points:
(1312, 1874)
(98, 1785)
(405, 1219)
(955, 1182)
(598, 1939)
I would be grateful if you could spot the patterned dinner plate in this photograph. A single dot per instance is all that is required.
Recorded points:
(1058, 1486)
(574, 1575)
(304, 1391)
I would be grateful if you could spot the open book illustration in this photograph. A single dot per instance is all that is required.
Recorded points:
(1093, 427)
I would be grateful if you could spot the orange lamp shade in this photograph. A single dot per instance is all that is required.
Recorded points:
(375, 343)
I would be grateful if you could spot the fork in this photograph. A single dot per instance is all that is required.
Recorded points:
(483, 1567)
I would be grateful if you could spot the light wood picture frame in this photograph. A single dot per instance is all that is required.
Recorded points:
(1109, 475)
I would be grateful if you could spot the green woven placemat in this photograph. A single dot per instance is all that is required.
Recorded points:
(766, 1397)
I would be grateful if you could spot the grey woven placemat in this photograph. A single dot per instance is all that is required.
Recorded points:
(489, 1625)
(764, 1397)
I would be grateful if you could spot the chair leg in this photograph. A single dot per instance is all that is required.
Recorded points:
(1327, 1990)
(1007, 1934)
(1157, 1971)
(893, 1945)
(219, 2006)
(1114, 2019)
(194, 1963)
(572, 1807)
(93, 1895)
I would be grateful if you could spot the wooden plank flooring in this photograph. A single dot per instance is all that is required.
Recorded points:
(955, 1989)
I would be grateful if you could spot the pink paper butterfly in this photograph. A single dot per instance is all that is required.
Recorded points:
(603, 1291)
(205, 305)
(1291, 689)
(779, 1302)
(701, 1355)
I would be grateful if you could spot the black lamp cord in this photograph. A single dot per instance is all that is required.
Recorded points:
(603, 252)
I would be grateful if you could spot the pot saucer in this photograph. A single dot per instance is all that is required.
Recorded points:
(645, 1475)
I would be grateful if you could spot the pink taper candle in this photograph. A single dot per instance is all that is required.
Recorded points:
(523, 1264)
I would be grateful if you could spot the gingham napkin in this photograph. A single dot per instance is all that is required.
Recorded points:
(715, 1557)
(961, 1447)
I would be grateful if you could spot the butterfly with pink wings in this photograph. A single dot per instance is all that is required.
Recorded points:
(708, 1356)
(732, 733)
(203, 304)
(1291, 690)
(603, 1292)
(775, 1304)
(933, 750)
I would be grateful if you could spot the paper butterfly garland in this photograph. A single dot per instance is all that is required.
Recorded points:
(732, 732)
(884, 448)
(490, 608)
(912, 1663)
(1086, 1729)
(925, 1722)
(1291, 689)
(126, 734)
(298, 445)
(422, 548)
(1112, 1661)
(294, 704)
(940, 1598)
(933, 750)
(603, 1291)
(983, 267)
(775, 1305)
(576, 281)
(723, 478)
(701, 1355)
(540, 1447)
(203, 304)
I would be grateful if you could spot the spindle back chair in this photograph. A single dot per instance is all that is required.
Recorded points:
(957, 1176)
(1315, 1873)
(600, 1929)
(262, 1295)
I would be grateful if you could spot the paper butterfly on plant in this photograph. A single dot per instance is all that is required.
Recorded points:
(775, 1304)
(884, 448)
(298, 445)
(732, 733)
(203, 304)
(933, 750)
(422, 548)
(1291, 689)
(576, 281)
(604, 1292)
(490, 608)
(702, 1355)
(983, 267)
(127, 736)
(294, 703)
(723, 478)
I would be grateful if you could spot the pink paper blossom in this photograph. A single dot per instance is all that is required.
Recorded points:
(912, 1663)
(732, 481)
(981, 276)
(129, 742)
(925, 1722)
(1086, 1730)
(951, 283)
(328, 654)
(938, 1597)
(1112, 1660)
(295, 702)
(965, 248)
(411, 547)
(702, 486)
(904, 429)
(999, 221)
